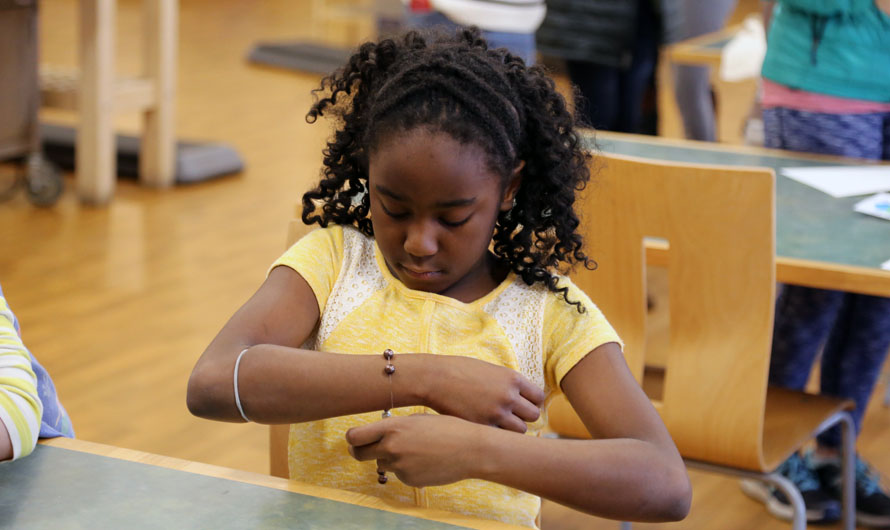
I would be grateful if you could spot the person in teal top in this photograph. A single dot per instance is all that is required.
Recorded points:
(834, 47)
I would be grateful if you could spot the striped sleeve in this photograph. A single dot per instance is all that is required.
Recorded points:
(20, 406)
(510, 16)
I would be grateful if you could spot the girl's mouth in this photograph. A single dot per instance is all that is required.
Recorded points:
(420, 274)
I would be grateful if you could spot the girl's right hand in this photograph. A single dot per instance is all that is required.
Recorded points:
(483, 393)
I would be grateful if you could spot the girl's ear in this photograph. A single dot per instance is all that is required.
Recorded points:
(507, 201)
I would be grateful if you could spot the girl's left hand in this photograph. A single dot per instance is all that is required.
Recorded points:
(422, 450)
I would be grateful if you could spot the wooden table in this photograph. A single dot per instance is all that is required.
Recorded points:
(75, 484)
(733, 99)
(704, 50)
(820, 241)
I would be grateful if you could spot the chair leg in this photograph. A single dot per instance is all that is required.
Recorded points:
(887, 390)
(799, 522)
(848, 469)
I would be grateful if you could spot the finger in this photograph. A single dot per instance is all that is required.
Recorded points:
(531, 392)
(526, 410)
(363, 453)
(366, 434)
(512, 423)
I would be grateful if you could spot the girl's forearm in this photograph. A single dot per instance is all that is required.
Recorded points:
(624, 479)
(277, 384)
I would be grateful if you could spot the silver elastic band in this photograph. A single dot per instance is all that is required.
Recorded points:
(235, 378)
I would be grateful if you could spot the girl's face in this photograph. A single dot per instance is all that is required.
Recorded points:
(434, 203)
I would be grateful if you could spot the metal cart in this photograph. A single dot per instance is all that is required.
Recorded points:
(20, 101)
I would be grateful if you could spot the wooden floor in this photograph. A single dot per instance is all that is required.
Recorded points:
(118, 302)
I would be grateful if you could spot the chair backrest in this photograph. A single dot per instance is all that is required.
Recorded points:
(718, 226)
(278, 433)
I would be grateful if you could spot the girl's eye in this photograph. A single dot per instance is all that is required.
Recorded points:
(455, 223)
(394, 215)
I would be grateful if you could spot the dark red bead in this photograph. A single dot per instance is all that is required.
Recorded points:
(381, 479)
(387, 354)
(389, 369)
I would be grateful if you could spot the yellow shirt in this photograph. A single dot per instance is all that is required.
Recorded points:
(364, 310)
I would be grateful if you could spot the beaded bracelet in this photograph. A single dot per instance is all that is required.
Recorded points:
(389, 369)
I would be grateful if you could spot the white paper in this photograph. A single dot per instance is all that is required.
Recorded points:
(842, 181)
(742, 57)
(876, 205)
(886, 265)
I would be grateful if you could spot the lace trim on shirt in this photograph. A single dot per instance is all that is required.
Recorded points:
(520, 312)
(359, 279)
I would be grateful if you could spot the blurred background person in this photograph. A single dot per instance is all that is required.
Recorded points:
(507, 24)
(826, 89)
(610, 48)
(692, 84)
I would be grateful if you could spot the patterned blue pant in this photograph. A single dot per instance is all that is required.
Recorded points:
(854, 328)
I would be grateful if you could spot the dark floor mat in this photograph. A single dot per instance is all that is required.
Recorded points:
(300, 56)
(195, 161)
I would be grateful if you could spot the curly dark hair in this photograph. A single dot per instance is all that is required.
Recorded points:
(456, 85)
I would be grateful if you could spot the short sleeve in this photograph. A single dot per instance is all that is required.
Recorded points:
(568, 335)
(317, 257)
(20, 405)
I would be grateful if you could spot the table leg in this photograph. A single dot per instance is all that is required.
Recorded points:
(95, 152)
(157, 158)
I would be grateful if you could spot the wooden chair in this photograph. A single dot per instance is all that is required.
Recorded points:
(887, 391)
(716, 232)
(278, 450)
(278, 433)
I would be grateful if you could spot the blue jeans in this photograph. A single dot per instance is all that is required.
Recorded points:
(521, 44)
(854, 328)
(613, 97)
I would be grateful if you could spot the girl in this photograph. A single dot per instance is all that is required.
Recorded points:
(446, 208)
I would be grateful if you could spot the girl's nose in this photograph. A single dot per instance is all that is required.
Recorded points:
(420, 239)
